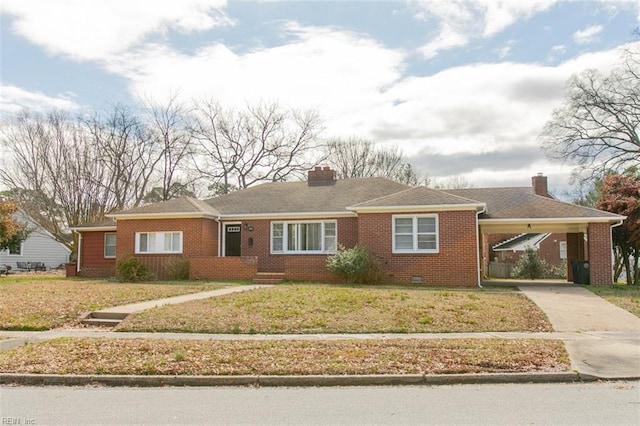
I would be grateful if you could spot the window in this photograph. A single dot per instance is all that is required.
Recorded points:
(15, 249)
(563, 249)
(159, 242)
(415, 234)
(110, 244)
(303, 237)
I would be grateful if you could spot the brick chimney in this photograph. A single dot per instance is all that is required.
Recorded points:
(539, 183)
(321, 176)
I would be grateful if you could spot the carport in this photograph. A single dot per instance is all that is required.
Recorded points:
(513, 211)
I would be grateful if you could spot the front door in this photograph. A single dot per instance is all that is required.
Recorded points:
(232, 240)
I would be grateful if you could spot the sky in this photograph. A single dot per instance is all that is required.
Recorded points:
(463, 88)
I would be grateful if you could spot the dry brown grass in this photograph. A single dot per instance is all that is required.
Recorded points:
(296, 309)
(32, 302)
(625, 296)
(316, 357)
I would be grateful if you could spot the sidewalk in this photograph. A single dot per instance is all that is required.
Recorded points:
(603, 342)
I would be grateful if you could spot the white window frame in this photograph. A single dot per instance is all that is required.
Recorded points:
(16, 254)
(285, 237)
(414, 233)
(158, 243)
(114, 245)
(562, 247)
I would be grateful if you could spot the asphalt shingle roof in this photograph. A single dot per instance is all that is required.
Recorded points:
(176, 205)
(523, 203)
(298, 197)
(418, 196)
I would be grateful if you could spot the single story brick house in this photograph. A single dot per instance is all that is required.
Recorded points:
(287, 230)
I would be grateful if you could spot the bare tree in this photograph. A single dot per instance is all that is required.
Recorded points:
(169, 128)
(597, 127)
(360, 158)
(129, 156)
(264, 142)
(55, 174)
(454, 182)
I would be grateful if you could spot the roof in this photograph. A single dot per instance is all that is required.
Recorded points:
(103, 225)
(183, 207)
(419, 197)
(298, 197)
(523, 203)
(520, 242)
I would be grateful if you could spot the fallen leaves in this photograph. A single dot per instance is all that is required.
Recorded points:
(291, 357)
(41, 304)
(310, 309)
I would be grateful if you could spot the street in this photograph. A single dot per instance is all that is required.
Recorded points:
(541, 404)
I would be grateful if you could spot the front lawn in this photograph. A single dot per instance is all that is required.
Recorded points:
(625, 296)
(300, 309)
(291, 357)
(33, 302)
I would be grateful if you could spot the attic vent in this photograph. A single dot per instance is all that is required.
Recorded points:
(321, 176)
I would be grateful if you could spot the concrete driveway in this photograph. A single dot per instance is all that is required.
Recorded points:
(609, 337)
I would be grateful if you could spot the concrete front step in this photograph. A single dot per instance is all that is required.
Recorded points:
(104, 318)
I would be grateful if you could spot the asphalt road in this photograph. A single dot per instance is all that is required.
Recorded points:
(606, 403)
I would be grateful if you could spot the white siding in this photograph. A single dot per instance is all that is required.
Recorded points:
(40, 246)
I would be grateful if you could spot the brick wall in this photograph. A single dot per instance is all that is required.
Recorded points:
(308, 268)
(600, 264)
(97, 272)
(199, 235)
(455, 264)
(257, 243)
(222, 268)
(92, 255)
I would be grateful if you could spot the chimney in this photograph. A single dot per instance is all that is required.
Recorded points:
(321, 176)
(539, 183)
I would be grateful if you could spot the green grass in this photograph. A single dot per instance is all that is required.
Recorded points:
(308, 309)
(625, 296)
(40, 302)
(291, 357)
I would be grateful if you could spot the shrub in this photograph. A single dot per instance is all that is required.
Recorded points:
(557, 272)
(529, 265)
(356, 265)
(131, 269)
(177, 269)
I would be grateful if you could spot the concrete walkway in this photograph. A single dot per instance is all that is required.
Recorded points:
(143, 306)
(611, 344)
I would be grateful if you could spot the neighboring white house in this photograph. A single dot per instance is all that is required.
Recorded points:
(40, 246)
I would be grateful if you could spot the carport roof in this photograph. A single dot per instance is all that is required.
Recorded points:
(523, 203)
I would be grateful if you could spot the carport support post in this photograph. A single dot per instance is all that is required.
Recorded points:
(600, 253)
(575, 251)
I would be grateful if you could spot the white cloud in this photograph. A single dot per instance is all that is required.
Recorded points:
(13, 99)
(462, 20)
(93, 30)
(342, 73)
(587, 35)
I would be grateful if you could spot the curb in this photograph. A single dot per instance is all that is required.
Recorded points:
(292, 381)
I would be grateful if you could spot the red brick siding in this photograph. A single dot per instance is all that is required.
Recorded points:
(455, 264)
(308, 268)
(600, 264)
(222, 268)
(97, 272)
(267, 262)
(92, 253)
(199, 236)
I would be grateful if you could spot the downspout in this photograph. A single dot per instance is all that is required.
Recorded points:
(219, 235)
(478, 213)
(611, 239)
(79, 254)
